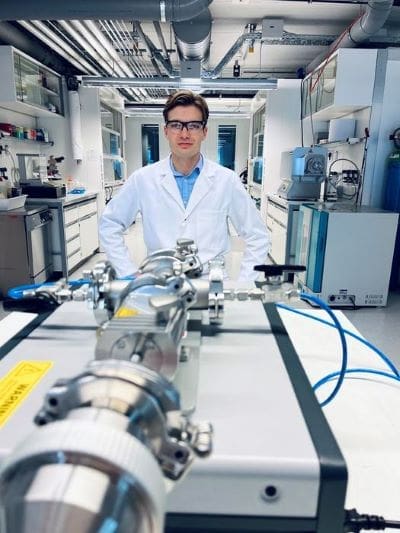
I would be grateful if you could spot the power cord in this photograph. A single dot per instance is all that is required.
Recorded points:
(355, 522)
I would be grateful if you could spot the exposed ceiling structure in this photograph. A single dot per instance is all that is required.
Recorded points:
(228, 48)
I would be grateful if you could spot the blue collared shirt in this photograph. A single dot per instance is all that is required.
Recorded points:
(186, 182)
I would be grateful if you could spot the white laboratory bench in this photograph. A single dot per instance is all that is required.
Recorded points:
(269, 429)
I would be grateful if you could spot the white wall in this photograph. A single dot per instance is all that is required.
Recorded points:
(133, 143)
(90, 171)
(282, 132)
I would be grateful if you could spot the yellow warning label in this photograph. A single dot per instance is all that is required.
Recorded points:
(18, 383)
(125, 312)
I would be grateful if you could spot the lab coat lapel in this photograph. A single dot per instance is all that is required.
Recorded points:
(168, 182)
(201, 187)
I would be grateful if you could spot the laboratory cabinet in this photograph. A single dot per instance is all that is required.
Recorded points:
(342, 84)
(74, 230)
(27, 86)
(347, 251)
(81, 231)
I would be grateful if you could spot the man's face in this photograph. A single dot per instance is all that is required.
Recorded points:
(185, 143)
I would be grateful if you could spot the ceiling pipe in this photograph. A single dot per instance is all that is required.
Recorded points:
(193, 37)
(118, 33)
(160, 36)
(115, 37)
(237, 84)
(93, 37)
(40, 30)
(148, 10)
(11, 35)
(359, 31)
(148, 45)
(154, 53)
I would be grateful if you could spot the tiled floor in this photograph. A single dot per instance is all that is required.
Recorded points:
(379, 325)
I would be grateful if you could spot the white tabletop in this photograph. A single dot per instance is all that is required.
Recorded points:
(364, 416)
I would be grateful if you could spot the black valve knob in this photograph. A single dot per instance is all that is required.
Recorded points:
(278, 270)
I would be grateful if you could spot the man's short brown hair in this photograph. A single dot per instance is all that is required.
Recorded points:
(186, 98)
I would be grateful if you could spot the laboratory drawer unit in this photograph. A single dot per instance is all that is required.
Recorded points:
(347, 251)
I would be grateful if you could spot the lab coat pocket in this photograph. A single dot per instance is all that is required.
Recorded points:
(212, 233)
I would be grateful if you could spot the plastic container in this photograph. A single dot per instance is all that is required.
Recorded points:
(12, 203)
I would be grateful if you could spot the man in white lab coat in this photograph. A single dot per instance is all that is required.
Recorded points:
(185, 196)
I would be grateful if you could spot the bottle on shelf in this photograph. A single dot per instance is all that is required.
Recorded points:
(5, 187)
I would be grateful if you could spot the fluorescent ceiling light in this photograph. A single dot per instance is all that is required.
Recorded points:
(237, 84)
(142, 111)
(194, 84)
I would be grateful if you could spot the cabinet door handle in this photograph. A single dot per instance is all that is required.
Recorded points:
(73, 252)
(87, 216)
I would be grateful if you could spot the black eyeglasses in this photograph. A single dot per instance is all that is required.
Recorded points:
(178, 125)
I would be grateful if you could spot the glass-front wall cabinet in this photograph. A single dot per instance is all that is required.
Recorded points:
(37, 85)
(319, 88)
(112, 132)
(257, 147)
(27, 86)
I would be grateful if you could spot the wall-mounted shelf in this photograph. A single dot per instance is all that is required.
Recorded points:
(6, 138)
(109, 130)
(113, 157)
(350, 141)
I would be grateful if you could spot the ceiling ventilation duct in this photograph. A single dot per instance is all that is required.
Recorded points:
(193, 37)
(360, 30)
(11, 35)
(163, 10)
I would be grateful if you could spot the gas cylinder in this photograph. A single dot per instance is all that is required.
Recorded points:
(392, 202)
(392, 191)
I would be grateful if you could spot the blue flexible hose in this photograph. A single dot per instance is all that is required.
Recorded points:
(16, 293)
(323, 305)
(383, 356)
(333, 375)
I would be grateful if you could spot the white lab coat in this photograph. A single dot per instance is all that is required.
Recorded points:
(218, 194)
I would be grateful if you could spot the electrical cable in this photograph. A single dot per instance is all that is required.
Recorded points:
(355, 522)
(363, 166)
(323, 305)
(311, 119)
(301, 112)
(384, 357)
(335, 185)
